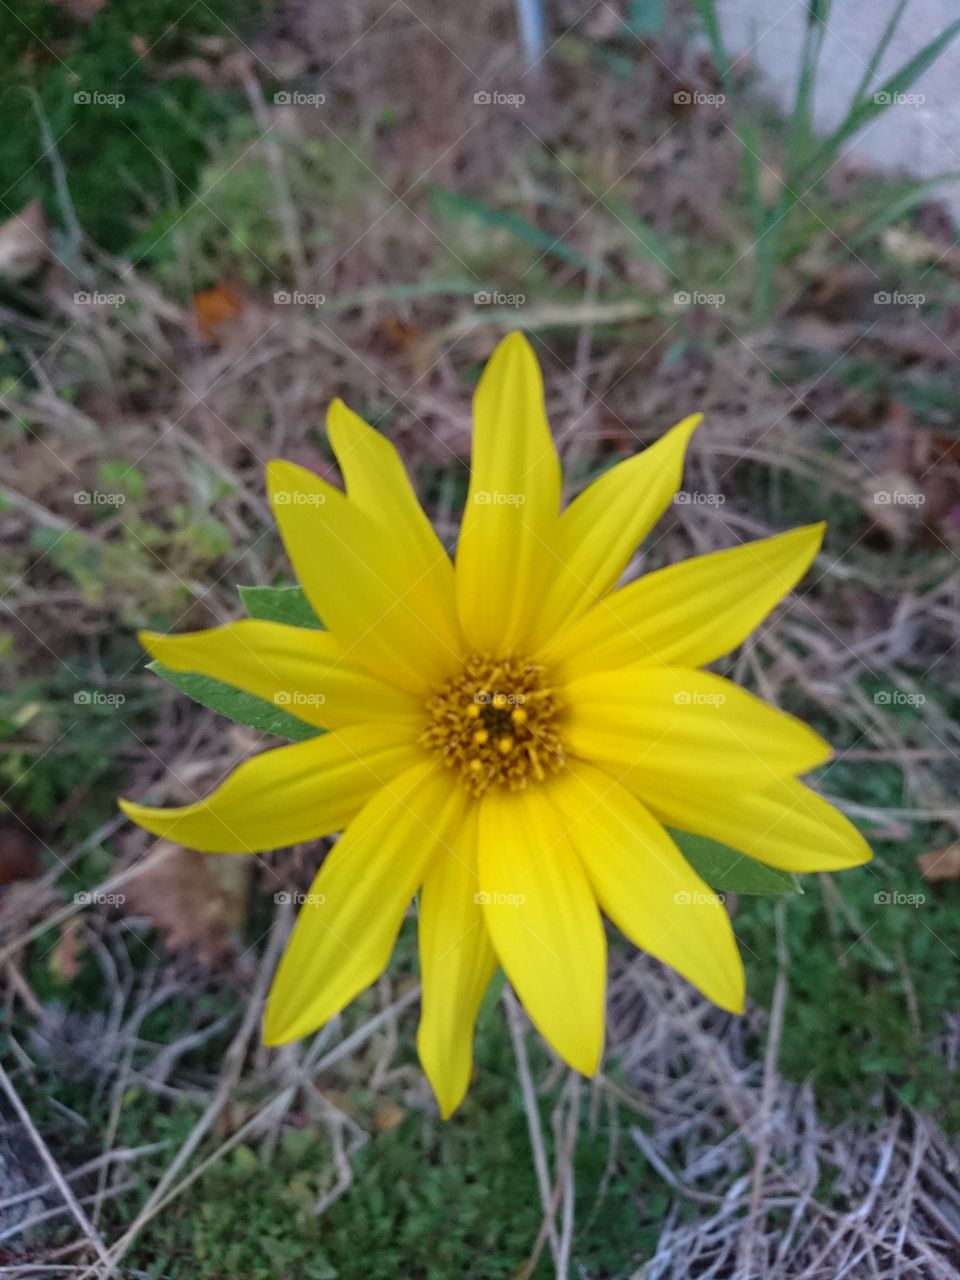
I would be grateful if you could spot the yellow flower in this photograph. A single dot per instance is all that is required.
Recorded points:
(509, 737)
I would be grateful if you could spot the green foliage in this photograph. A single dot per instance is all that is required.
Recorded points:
(288, 605)
(807, 159)
(728, 870)
(280, 604)
(155, 139)
(241, 708)
(872, 973)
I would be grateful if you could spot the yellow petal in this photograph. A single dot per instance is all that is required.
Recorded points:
(304, 672)
(652, 726)
(513, 502)
(647, 887)
(542, 916)
(290, 794)
(600, 530)
(786, 825)
(456, 963)
(690, 613)
(377, 481)
(374, 600)
(349, 923)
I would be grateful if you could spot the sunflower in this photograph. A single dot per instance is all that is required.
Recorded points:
(509, 736)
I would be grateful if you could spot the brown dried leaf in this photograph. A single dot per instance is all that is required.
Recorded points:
(941, 864)
(19, 857)
(196, 901)
(24, 245)
(215, 308)
(65, 957)
(389, 1117)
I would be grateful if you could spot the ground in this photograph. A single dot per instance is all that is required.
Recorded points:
(254, 210)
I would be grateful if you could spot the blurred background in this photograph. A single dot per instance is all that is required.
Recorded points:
(214, 218)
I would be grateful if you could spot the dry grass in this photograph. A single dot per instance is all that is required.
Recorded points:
(756, 1176)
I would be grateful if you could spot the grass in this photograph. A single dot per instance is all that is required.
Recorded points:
(119, 1042)
(149, 147)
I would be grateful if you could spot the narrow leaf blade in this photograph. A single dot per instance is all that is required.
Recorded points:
(241, 708)
(728, 870)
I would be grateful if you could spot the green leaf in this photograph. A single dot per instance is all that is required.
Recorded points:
(451, 204)
(727, 869)
(242, 708)
(280, 604)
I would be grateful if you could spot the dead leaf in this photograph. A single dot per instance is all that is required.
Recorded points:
(19, 859)
(24, 245)
(65, 957)
(941, 864)
(215, 308)
(196, 901)
(389, 1117)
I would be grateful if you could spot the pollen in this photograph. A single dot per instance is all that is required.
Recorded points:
(496, 724)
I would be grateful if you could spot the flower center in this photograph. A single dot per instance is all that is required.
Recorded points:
(495, 724)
